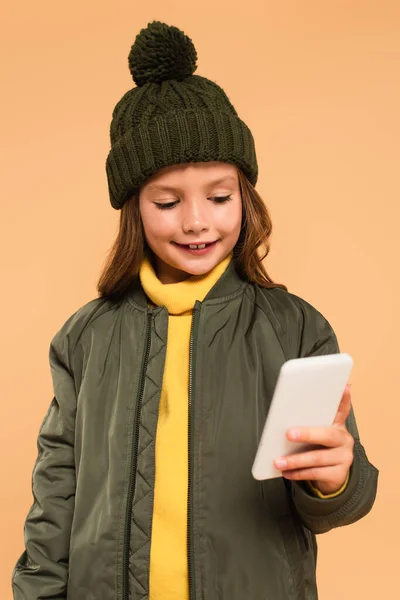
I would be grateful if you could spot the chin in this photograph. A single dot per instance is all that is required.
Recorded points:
(199, 267)
(199, 270)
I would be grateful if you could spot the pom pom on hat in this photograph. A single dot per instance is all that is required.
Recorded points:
(161, 52)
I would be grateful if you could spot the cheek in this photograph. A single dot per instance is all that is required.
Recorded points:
(230, 220)
(156, 224)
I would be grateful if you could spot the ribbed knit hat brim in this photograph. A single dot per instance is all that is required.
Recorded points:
(189, 135)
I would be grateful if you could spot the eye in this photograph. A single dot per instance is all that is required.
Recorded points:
(166, 205)
(222, 199)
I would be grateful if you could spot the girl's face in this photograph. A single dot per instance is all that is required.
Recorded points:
(186, 206)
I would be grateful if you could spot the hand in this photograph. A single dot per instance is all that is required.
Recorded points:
(325, 467)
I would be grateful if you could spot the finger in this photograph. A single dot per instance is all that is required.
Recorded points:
(312, 459)
(330, 437)
(315, 474)
(344, 407)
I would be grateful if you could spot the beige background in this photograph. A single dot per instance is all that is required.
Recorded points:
(318, 85)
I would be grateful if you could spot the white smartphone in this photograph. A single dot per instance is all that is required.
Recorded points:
(308, 392)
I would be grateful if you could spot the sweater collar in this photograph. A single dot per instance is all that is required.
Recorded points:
(179, 298)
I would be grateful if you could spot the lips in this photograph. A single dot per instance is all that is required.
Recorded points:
(197, 248)
(195, 245)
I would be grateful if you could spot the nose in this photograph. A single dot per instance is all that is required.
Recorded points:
(194, 217)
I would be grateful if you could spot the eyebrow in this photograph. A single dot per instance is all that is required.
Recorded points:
(166, 188)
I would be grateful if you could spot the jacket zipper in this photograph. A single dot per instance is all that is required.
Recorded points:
(132, 475)
(191, 575)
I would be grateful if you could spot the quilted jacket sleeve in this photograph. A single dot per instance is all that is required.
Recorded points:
(41, 572)
(321, 515)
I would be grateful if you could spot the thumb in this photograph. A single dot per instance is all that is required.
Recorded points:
(344, 407)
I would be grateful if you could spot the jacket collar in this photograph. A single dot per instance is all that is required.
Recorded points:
(227, 286)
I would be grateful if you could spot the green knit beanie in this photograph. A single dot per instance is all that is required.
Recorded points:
(171, 116)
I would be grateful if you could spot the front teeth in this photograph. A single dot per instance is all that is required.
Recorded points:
(195, 247)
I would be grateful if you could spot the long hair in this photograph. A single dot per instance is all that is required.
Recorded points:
(122, 265)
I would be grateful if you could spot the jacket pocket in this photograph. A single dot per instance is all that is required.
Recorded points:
(293, 538)
(307, 562)
(296, 555)
(302, 536)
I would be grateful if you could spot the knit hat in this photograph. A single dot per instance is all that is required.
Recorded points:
(171, 116)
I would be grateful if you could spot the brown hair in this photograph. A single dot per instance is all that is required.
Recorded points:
(123, 262)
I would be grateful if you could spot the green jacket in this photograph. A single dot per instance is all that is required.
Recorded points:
(88, 532)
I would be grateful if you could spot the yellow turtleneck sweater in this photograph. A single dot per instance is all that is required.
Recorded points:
(168, 558)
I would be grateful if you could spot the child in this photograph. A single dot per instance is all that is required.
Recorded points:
(142, 486)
